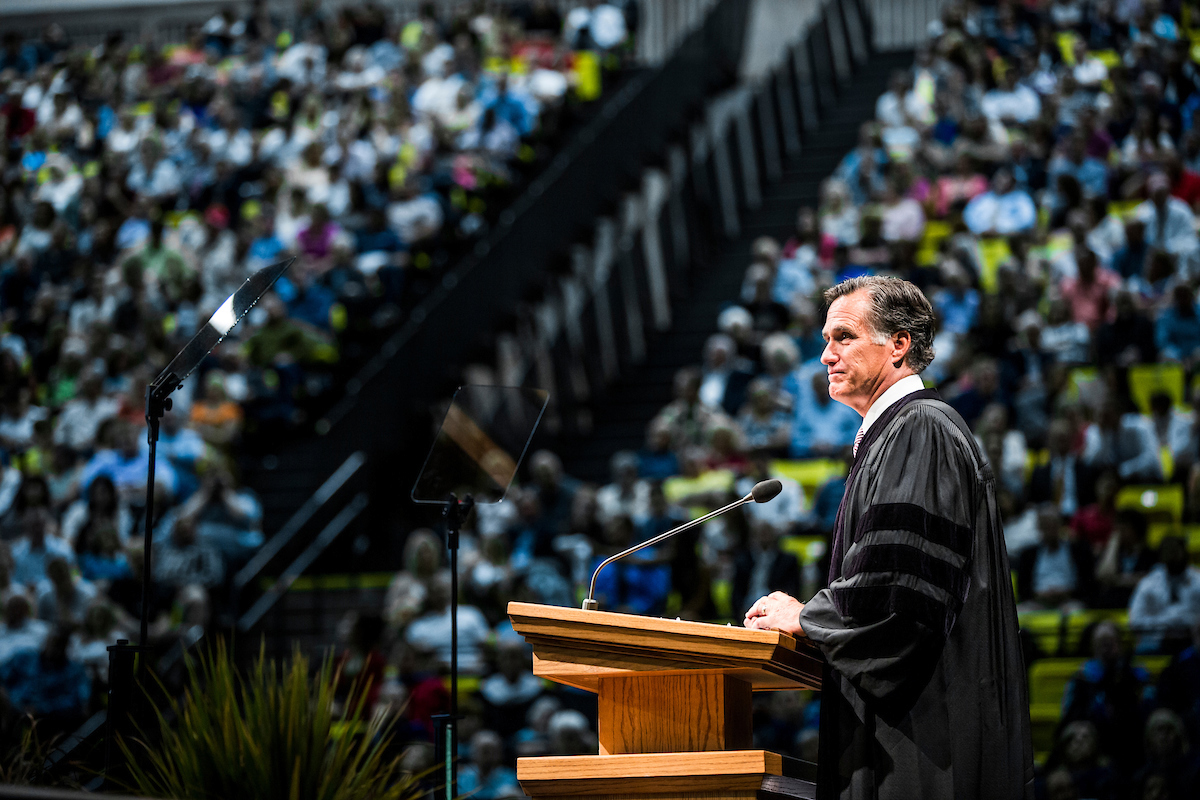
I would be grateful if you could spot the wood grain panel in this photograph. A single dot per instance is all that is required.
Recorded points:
(731, 773)
(674, 713)
(578, 648)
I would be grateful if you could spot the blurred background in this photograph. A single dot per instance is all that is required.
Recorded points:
(635, 205)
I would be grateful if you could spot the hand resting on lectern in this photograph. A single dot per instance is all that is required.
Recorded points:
(776, 611)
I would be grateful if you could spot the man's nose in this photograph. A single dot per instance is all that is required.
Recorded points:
(827, 355)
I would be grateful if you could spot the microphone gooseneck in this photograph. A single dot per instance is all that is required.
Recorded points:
(761, 493)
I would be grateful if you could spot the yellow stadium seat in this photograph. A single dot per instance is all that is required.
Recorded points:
(722, 597)
(1048, 678)
(1160, 502)
(993, 251)
(1152, 664)
(1084, 385)
(1146, 380)
(810, 473)
(467, 685)
(679, 488)
(674, 604)
(935, 233)
(586, 73)
(1033, 460)
(1123, 208)
(807, 549)
(1045, 627)
(1066, 46)
(1057, 243)
(1168, 462)
(1043, 722)
(1158, 531)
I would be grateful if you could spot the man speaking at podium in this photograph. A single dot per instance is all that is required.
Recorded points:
(924, 687)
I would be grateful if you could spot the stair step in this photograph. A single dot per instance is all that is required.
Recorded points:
(625, 409)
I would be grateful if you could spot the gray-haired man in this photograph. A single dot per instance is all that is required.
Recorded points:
(924, 687)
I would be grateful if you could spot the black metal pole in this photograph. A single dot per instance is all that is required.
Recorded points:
(452, 790)
(456, 511)
(147, 537)
(125, 661)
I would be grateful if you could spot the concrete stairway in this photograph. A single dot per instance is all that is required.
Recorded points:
(622, 414)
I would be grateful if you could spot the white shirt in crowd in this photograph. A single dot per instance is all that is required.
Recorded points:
(1162, 604)
(432, 632)
(1021, 104)
(1003, 214)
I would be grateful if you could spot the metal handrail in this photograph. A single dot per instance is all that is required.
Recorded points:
(298, 520)
(303, 562)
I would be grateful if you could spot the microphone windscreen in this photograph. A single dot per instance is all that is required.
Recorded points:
(766, 490)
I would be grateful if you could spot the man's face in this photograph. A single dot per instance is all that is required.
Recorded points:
(1174, 556)
(1049, 526)
(857, 365)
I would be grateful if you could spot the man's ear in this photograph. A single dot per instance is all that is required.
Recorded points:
(901, 344)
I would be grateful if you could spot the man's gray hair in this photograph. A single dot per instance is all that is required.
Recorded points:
(896, 305)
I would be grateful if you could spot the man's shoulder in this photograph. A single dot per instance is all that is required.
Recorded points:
(932, 411)
(933, 421)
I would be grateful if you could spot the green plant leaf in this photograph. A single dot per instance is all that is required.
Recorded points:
(266, 734)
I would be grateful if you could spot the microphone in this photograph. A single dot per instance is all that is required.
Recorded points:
(761, 493)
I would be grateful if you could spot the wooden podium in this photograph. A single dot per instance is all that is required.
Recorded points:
(674, 705)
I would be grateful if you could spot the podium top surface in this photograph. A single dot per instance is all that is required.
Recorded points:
(578, 648)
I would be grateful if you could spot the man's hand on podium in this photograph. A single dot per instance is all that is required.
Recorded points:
(776, 611)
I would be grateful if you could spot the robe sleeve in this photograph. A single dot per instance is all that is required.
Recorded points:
(884, 622)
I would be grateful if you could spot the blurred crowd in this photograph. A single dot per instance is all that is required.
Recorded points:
(1037, 173)
(140, 184)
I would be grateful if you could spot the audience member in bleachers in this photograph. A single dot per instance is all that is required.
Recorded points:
(627, 494)
(1172, 766)
(637, 584)
(21, 631)
(48, 684)
(1125, 442)
(1109, 693)
(1031, 172)
(509, 692)
(1057, 572)
(63, 599)
(1124, 560)
(1077, 758)
(725, 376)
(431, 631)
(1093, 524)
(360, 665)
(762, 567)
(821, 428)
(1179, 685)
(1057, 480)
(1166, 602)
(486, 776)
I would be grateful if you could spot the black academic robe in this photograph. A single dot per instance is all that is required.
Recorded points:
(924, 689)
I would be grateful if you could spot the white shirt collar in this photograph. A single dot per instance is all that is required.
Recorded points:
(898, 390)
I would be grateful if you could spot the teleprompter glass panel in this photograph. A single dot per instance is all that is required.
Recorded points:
(480, 444)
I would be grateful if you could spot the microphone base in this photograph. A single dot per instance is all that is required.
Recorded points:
(591, 605)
